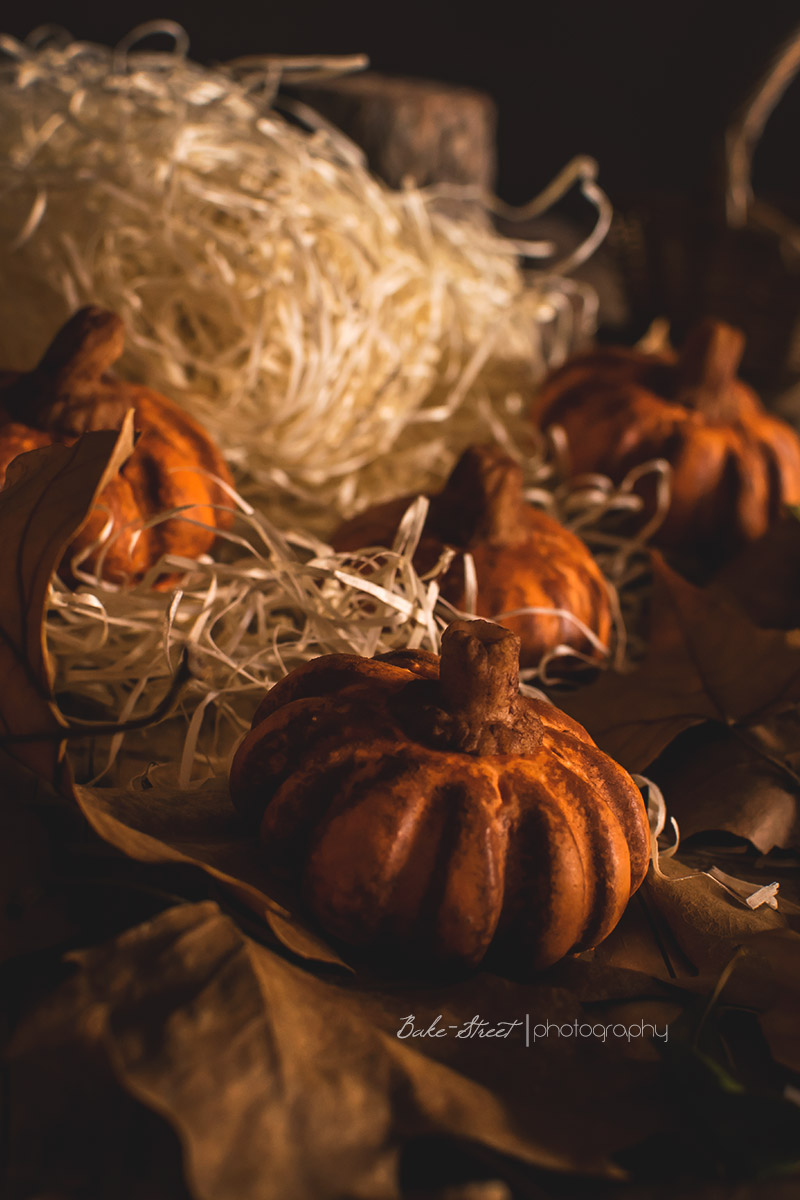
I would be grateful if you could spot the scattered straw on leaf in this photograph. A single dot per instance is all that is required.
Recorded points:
(749, 895)
(341, 340)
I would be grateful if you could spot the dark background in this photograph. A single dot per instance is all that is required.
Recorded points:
(647, 88)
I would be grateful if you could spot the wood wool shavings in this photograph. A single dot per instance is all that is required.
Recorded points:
(341, 341)
(268, 602)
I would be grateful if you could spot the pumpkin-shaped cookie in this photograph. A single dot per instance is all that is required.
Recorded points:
(733, 464)
(422, 809)
(524, 559)
(174, 464)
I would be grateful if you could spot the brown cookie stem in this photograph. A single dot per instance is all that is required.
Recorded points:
(479, 690)
(69, 393)
(481, 501)
(708, 368)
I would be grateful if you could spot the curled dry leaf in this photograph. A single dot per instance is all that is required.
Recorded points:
(706, 661)
(721, 782)
(276, 1082)
(46, 498)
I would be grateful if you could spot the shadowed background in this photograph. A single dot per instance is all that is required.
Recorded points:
(646, 89)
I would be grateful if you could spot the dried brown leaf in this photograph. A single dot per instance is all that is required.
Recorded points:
(637, 945)
(582, 1095)
(708, 924)
(781, 1027)
(47, 496)
(72, 1131)
(764, 577)
(705, 661)
(758, 952)
(280, 1084)
(775, 958)
(32, 915)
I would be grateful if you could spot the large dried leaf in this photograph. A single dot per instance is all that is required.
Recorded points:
(282, 1085)
(47, 496)
(705, 661)
(749, 958)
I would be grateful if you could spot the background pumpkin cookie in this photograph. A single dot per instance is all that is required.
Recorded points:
(174, 464)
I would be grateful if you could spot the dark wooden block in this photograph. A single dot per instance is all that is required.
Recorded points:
(412, 129)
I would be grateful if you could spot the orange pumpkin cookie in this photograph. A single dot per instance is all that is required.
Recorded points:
(71, 392)
(422, 809)
(733, 464)
(523, 557)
